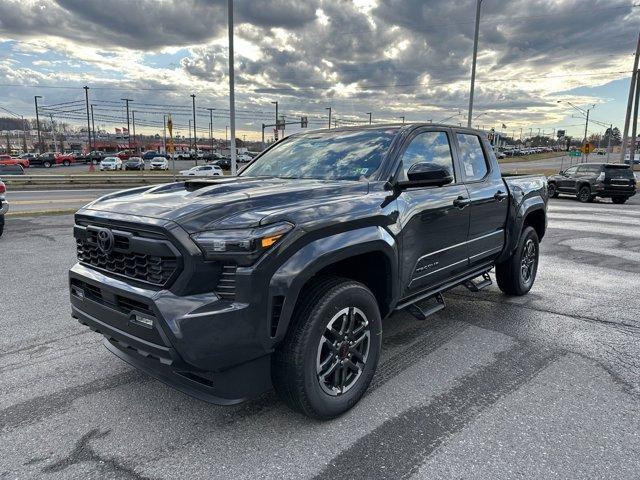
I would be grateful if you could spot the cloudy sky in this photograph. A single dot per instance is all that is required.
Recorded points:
(393, 58)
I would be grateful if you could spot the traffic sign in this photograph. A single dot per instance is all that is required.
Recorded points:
(587, 148)
(575, 153)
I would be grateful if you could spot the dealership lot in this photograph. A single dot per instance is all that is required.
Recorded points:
(491, 387)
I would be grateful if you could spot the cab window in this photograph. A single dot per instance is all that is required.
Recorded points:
(428, 147)
(474, 163)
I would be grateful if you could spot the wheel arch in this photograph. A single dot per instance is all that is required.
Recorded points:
(368, 255)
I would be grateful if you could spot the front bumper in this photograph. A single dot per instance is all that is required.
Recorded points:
(199, 344)
(4, 206)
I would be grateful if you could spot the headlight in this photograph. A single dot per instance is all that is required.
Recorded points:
(249, 243)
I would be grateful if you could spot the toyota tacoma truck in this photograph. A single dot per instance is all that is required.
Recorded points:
(280, 277)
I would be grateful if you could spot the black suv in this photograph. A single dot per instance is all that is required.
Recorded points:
(281, 276)
(590, 180)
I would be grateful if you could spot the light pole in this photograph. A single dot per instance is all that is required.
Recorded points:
(232, 95)
(369, 113)
(473, 65)
(93, 129)
(195, 135)
(36, 97)
(127, 100)
(402, 119)
(164, 133)
(135, 143)
(329, 108)
(211, 127)
(53, 134)
(86, 100)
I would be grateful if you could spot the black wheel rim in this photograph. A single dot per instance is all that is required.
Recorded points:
(528, 262)
(552, 190)
(343, 351)
(584, 194)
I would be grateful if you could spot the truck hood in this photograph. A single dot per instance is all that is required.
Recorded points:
(236, 202)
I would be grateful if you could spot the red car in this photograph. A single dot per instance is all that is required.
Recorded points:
(123, 155)
(9, 160)
(65, 159)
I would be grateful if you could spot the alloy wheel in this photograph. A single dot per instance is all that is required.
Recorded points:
(343, 351)
(528, 262)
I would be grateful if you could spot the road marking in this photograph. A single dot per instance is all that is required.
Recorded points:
(594, 227)
(47, 202)
(602, 246)
(595, 218)
(616, 211)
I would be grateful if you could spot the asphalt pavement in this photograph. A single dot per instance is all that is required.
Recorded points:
(26, 201)
(541, 386)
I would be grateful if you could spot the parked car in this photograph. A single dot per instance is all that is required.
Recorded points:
(111, 163)
(281, 276)
(203, 171)
(123, 155)
(222, 163)
(244, 158)
(14, 169)
(134, 163)
(4, 205)
(65, 159)
(211, 157)
(151, 154)
(9, 160)
(636, 158)
(590, 180)
(159, 163)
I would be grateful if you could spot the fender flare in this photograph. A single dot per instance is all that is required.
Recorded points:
(291, 276)
(514, 231)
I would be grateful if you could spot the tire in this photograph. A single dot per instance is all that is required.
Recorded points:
(510, 274)
(47, 164)
(1, 229)
(553, 190)
(66, 163)
(310, 346)
(584, 194)
(618, 200)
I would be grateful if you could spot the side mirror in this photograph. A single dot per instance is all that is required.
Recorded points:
(425, 174)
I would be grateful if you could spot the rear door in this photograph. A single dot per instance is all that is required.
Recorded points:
(434, 223)
(488, 198)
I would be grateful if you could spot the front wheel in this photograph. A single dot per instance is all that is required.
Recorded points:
(330, 353)
(553, 190)
(619, 200)
(66, 163)
(584, 195)
(516, 275)
(46, 164)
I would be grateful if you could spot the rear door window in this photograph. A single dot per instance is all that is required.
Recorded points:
(617, 172)
(474, 163)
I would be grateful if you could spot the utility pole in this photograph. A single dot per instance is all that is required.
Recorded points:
(86, 101)
(402, 119)
(36, 97)
(473, 65)
(135, 143)
(329, 108)
(632, 151)
(226, 136)
(277, 129)
(24, 136)
(195, 134)
(127, 100)
(232, 93)
(632, 88)
(609, 143)
(211, 127)
(93, 128)
(263, 127)
(53, 134)
(190, 143)
(164, 133)
(369, 113)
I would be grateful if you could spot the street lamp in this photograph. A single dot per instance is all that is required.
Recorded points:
(369, 113)
(329, 108)
(473, 65)
(36, 97)
(402, 119)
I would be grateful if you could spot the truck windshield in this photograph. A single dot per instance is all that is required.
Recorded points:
(343, 155)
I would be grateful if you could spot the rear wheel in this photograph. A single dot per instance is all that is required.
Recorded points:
(330, 353)
(66, 163)
(553, 190)
(516, 275)
(584, 194)
(619, 200)
(1, 228)
(46, 164)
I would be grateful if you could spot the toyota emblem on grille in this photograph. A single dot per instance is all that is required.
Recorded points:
(105, 241)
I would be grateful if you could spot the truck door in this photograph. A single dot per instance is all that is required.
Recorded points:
(567, 180)
(488, 195)
(434, 220)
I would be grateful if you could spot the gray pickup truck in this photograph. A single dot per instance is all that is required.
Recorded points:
(280, 277)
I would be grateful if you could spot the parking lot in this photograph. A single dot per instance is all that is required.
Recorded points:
(546, 385)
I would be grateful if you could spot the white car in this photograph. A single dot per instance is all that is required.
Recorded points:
(244, 157)
(159, 163)
(111, 163)
(202, 171)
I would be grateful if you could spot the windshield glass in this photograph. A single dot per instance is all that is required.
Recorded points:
(344, 155)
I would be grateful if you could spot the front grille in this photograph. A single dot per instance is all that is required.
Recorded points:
(226, 288)
(150, 260)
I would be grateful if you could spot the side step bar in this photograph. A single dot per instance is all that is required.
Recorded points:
(476, 287)
(422, 314)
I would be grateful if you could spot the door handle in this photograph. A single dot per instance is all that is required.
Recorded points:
(500, 195)
(461, 202)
